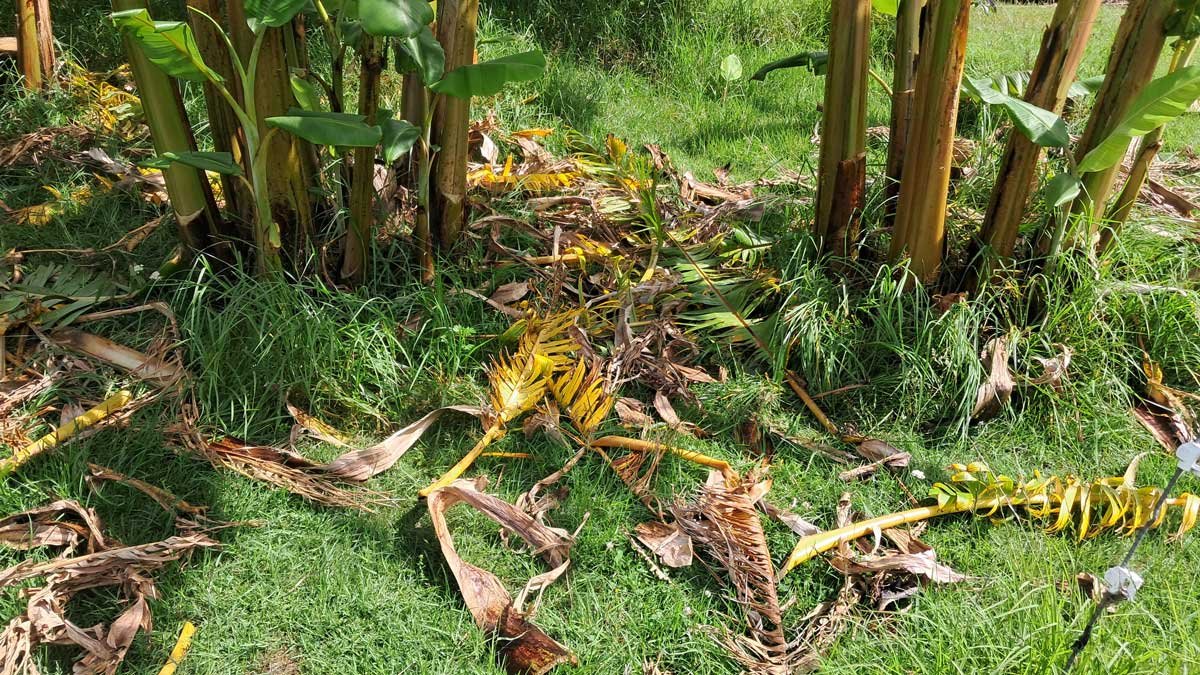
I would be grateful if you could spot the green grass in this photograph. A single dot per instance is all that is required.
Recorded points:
(338, 592)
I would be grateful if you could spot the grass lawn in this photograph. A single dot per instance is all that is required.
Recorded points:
(322, 591)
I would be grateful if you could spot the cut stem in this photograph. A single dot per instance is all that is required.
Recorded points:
(920, 229)
(1148, 149)
(65, 432)
(908, 44)
(1063, 46)
(362, 191)
(841, 180)
(1131, 63)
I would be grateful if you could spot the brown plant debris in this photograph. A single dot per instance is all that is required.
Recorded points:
(880, 454)
(666, 541)
(359, 465)
(153, 369)
(1054, 369)
(105, 563)
(724, 522)
(169, 502)
(63, 523)
(279, 467)
(1165, 412)
(996, 390)
(522, 646)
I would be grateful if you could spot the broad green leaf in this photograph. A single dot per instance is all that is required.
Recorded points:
(889, 7)
(489, 77)
(1160, 102)
(170, 45)
(1037, 124)
(327, 128)
(217, 162)
(398, 138)
(394, 18)
(731, 68)
(306, 94)
(1085, 87)
(1062, 190)
(816, 62)
(272, 13)
(421, 53)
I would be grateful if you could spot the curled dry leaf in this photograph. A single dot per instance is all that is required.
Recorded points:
(64, 523)
(667, 541)
(1164, 424)
(996, 390)
(632, 413)
(1054, 369)
(509, 293)
(793, 522)
(360, 465)
(278, 467)
(666, 411)
(881, 454)
(45, 619)
(1169, 398)
(523, 646)
(923, 565)
(166, 500)
(101, 564)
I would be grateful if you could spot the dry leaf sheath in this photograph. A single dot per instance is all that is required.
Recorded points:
(522, 645)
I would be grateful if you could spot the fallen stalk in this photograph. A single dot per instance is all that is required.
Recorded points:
(813, 545)
(495, 432)
(65, 432)
(637, 445)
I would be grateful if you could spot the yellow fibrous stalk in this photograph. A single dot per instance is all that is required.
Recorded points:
(1091, 508)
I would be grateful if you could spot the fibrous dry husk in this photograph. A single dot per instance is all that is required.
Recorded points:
(724, 522)
(996, 390)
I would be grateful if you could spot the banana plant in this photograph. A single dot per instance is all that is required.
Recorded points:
(1063, 45)
(172, 47)
(1184, 25)
(1160, 102)
(418, 52)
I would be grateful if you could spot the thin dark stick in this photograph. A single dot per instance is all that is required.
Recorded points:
(1110, 596)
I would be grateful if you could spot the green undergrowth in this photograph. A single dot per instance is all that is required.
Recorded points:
(328, 591)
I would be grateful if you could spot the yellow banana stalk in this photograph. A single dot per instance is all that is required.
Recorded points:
(1112, 503)
(105, 409)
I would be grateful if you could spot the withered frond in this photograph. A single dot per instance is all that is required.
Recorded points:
(548, 337)
(581, 393)
(725, 522)
(518, 383)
